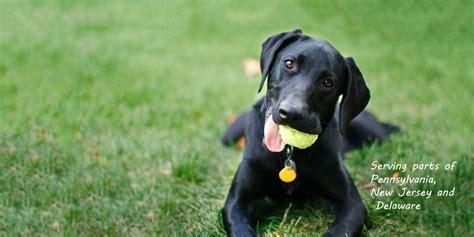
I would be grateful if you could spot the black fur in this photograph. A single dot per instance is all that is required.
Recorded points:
(303, 98)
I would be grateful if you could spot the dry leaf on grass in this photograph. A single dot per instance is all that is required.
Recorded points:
(396, 175)
(150, 216)
(42, 132)
(369, 185)
(231, 118)
(241, 143)
(55, 225)
(190, 229)
(251, 67)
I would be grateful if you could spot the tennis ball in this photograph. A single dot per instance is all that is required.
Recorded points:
(296, 138)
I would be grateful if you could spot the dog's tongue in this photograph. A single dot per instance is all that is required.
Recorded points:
(272, 136)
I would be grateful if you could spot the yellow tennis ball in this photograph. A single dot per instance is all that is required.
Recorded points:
(296, 138)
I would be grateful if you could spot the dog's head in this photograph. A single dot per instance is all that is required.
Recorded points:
(306, 76)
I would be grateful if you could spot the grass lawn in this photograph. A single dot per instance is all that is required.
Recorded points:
(111, 113)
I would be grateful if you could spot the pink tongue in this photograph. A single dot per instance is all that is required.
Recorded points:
(272, 137)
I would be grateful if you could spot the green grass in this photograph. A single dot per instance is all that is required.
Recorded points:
(111, 113)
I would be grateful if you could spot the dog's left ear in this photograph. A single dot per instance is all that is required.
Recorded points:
(356, 95)
(270, 49)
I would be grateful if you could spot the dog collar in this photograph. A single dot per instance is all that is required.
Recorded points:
(288, 173)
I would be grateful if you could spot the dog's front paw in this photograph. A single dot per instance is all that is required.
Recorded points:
(334, 233)
(340, 231)
(243, 232)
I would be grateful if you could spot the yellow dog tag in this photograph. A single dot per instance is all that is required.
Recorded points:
(287, 174)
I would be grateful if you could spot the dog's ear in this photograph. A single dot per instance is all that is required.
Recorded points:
(270, 49)
(356, 95)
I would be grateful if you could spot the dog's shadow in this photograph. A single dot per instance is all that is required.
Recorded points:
(291, 216)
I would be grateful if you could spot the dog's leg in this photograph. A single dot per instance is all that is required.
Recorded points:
(350, 211)
(366, 129)
(236, 130)
(240, 203)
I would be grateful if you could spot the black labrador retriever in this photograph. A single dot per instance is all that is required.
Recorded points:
(306, 76)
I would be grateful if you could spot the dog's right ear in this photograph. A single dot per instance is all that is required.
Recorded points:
(270, 49)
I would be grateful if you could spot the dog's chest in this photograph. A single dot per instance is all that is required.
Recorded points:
(301, 185)
(301, 177)
(290, 188)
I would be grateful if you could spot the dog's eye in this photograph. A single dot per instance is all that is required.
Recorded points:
(328, 83)
(289, 64)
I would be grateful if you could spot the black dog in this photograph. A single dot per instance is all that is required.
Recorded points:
(306, 76)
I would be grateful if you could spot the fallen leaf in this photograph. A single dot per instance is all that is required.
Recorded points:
(150, 216)
(396, 175)
(55, 225)
(251, 67)
(231, 118)
(241, 143)
(42, 132)
(369, 185)
(190, 229)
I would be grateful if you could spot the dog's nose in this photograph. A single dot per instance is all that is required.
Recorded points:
(290, 112)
